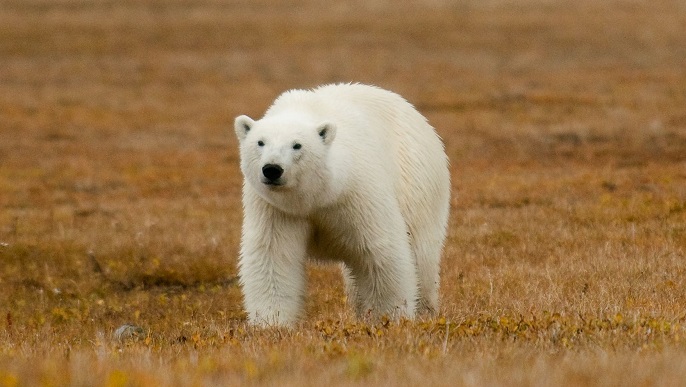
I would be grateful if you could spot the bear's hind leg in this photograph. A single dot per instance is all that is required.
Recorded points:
(386, 283)
(350, 286)
(428, 257)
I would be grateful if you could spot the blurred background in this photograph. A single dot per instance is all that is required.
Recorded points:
(176, 72)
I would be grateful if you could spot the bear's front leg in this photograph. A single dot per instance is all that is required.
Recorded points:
(272, 264)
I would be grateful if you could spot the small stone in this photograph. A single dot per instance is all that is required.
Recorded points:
(128, 332)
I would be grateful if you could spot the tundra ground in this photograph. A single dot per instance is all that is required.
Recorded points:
(565, 124)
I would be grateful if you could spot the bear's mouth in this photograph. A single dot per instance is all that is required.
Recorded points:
(272, 183)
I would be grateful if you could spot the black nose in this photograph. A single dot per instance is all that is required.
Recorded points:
(272, 171)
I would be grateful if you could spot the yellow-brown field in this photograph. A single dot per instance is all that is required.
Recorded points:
(565, 123)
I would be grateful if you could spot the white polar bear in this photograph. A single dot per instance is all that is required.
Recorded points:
(348, 173)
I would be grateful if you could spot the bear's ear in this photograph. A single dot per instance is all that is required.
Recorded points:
(242, 125)
(327, 132)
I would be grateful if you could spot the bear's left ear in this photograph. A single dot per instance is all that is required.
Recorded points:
(242, 125)
(327, 132)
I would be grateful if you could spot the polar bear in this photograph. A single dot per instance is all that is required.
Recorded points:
(347, 173)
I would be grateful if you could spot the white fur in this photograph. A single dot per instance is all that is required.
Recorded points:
(369, 187)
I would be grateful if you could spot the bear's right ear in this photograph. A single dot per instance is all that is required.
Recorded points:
(327, 132)
(242, 125)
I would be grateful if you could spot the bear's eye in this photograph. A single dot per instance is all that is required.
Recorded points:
(260, 143)
(297, 146)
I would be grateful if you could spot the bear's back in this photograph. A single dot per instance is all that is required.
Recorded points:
(379, 114)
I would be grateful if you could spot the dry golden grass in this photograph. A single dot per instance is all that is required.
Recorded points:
(120, 190)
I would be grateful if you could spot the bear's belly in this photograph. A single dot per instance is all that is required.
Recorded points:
(335, 241)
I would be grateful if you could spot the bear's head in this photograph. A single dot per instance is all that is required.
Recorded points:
(284, 157)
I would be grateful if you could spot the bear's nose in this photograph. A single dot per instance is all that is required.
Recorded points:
(272, 171)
